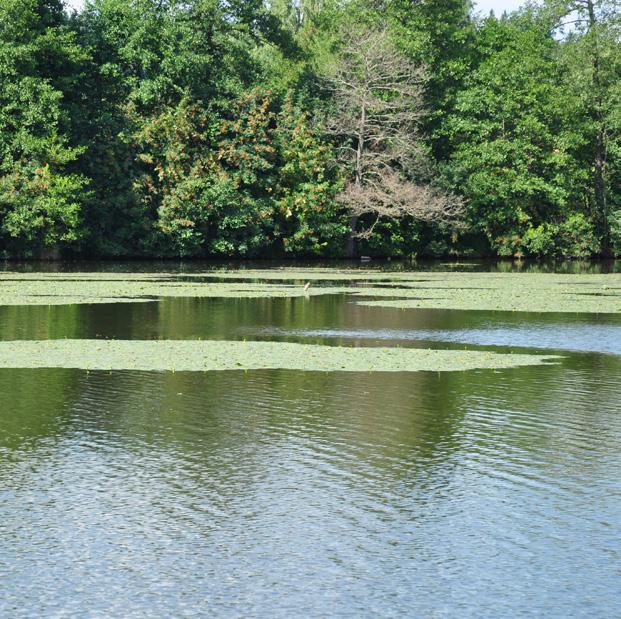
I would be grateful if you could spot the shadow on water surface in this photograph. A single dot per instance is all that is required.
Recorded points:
(196, 266)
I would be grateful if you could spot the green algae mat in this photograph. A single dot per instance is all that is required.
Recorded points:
(515, 292)
(201, 356)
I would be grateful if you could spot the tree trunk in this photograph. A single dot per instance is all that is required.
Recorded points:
(351, 241)
(353, 221)
(599, 151)
(603, 224)
(50, 252)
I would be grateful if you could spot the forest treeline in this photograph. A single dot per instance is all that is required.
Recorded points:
(204, 128)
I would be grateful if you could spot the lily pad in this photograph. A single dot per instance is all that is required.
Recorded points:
(197, 356)
(519, 292)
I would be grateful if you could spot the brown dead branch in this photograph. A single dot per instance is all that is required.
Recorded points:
(378, 105)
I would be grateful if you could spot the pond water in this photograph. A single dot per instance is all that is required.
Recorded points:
(279, 493)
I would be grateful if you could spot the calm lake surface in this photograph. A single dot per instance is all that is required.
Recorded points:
(278, 493)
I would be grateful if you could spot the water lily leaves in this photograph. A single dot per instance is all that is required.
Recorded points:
(208, 355)
(517, 292)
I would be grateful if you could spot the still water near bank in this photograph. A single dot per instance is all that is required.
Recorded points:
(276, 493)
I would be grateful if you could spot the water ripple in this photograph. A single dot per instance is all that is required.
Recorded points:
(285, 494)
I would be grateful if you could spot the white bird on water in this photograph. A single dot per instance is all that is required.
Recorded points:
(306, 287)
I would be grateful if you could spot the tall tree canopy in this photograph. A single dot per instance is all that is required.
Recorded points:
(293, 127)
(40, 196)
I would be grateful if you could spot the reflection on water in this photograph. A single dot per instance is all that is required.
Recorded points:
(584, 337)
(280, 493)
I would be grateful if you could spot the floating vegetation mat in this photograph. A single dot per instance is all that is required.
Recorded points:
(520, 292)
(200, 356)
(511, 292)
(62, 291)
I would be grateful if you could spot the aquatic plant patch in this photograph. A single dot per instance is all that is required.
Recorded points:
(49, 291)
(511, 293)
(521, 292)
(200, 356)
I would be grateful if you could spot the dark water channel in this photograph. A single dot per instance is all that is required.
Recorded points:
(303, 494)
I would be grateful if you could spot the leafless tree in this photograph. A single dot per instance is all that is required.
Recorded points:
(378, 105)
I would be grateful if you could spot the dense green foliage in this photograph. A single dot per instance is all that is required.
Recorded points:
(202, 128)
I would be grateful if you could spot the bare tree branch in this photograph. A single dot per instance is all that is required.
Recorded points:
(390, 197)
(378, 104)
